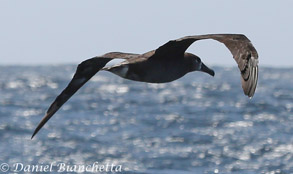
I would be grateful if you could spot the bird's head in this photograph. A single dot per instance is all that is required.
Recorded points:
(197, 64)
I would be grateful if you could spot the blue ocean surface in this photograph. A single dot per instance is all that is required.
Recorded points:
(197, 124)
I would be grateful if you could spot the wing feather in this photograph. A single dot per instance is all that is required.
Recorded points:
(84, 72)
(239, 45)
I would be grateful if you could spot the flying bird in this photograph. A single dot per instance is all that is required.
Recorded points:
(165, 64)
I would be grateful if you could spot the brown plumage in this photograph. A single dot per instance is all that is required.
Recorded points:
(165, 64)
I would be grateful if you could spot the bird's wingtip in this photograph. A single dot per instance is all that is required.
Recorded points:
(36, 131)
(33, 135)
(48, 115)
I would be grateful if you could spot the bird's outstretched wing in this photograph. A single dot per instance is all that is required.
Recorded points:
(239, 45)
(85, 70)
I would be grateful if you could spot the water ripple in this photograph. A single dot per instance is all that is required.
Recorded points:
(197, 124)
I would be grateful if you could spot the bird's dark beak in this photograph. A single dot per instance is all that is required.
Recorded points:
(205, 69)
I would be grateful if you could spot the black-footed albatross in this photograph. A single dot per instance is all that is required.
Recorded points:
(165, 64)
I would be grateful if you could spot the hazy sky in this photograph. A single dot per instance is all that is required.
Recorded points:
(70, 31)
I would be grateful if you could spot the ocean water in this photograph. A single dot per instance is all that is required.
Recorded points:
(197, 124)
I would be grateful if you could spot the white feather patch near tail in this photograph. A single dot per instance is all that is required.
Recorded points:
(114, 62)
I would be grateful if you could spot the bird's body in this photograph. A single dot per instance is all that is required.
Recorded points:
(148, 69)
(167, 63)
